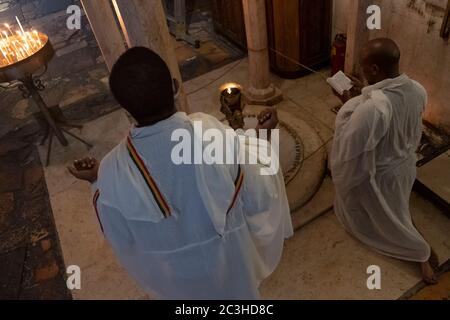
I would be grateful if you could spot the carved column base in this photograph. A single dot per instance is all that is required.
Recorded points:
(263, 97)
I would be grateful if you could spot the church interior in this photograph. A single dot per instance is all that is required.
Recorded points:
(280, 53)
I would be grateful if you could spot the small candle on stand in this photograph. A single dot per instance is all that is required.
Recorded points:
(231, 93)
(231, 104)
(4, 54)
(9, 28)
(20, 25)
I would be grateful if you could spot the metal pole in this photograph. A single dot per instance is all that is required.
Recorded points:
(36, 96)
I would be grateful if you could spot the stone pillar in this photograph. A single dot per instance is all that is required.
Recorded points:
(109, 37)
(260, 90)
(357, 34)
(144, 23)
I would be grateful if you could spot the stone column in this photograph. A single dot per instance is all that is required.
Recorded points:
(357, 34)
(109, 37)
(260, 90)
(144, 23)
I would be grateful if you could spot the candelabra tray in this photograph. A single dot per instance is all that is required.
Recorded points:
(28, 66)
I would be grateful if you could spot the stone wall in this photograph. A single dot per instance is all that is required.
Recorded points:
(415, 26)
(76, 50)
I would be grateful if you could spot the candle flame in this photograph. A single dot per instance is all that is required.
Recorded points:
(19, 45)
(229, 91)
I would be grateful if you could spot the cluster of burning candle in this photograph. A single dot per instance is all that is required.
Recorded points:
(17, 46)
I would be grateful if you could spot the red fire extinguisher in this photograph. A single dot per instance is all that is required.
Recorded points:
(338, 53)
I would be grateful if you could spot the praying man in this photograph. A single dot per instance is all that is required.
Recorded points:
(373, 160)
(184, 231)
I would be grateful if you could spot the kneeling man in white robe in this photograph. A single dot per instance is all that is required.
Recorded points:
(373, 160)
(184, 230)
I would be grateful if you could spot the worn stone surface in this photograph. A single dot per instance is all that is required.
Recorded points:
(77, 94)
(47, 272)
(11, 269)
(436, 176)
(33, 178)
(322, 261)
(11, 145)
(46, 245)
(71, 48)
(22, 109)
(6, 203)
(10, 176)
(31, 264)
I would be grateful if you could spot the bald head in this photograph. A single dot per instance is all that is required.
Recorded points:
(380, 60)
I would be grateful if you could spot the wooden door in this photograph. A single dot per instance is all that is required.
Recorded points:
(299, 31)
(315, 39)
(229, 21)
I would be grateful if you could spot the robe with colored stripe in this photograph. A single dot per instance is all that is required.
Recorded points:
(374, 166)
(190, 231)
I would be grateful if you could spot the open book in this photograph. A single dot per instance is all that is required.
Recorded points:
(340, 82)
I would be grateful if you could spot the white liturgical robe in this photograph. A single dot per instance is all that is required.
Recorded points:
(186, 231)
(373, 164)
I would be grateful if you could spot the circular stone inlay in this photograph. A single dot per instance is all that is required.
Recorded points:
(302, 155)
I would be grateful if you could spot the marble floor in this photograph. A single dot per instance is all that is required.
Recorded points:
(320, 262)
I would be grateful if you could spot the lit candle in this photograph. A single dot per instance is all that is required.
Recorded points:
(4, 54)
(9, 28)
(38, 38)
(29, 37)
(13, 56)
(33, 44)
(4, 50)
(16, 50)
(20, 25)
(24, 34)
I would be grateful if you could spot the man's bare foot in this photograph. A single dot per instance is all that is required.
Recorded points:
(434, 260)
(428, 274)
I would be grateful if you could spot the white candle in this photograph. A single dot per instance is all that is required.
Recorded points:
(38, 38)
(22, 52)
(20, 25)
(9, 28)
(33, 44)
(16, 49)
(24, 34)
(3, 46)
(4, 54)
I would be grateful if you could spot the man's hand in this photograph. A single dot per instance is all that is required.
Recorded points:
(85, 169)
(358, 85)
(268, 119)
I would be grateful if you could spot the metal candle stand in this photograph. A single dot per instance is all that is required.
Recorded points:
(20, 75)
